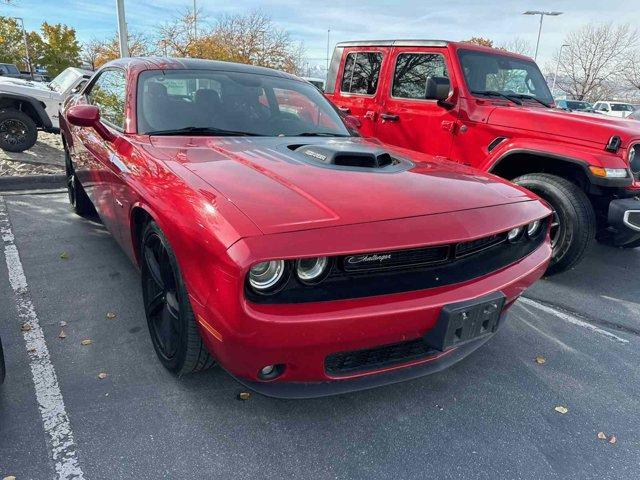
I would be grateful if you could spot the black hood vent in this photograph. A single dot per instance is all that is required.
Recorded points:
(349, 156)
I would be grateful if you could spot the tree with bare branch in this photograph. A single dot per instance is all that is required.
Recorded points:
(594, 59)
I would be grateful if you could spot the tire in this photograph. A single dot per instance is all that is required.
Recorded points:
(78, 198)
(574, 223)
(2, 370)
(18, 132)
(170, 318)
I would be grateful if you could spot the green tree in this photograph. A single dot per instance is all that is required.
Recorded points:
(12, 43)
(60, 49)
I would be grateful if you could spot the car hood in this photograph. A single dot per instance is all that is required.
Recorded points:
(281, 192)
(591, 127)
(24, 86)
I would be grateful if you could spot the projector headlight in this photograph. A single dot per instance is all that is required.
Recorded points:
(515, 234)
(266, 276)
(533, 228)
(312, 270)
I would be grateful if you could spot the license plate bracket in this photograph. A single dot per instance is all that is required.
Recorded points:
(462, 322)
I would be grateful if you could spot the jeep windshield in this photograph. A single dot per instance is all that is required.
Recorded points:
(494, 75)
(222, 103)
(64, 80)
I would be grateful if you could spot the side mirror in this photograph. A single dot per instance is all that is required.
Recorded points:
(352, 122)
(437, 88)
(88, 116)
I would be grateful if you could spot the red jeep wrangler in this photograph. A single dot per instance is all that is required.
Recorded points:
(493, 110)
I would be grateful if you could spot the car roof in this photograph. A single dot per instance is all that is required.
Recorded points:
(429, 43)
(171, 63)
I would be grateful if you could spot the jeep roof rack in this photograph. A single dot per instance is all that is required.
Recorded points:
(395, 43)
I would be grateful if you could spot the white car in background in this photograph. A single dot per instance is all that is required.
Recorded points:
(27, 106)
(614, 109)
(317, 82)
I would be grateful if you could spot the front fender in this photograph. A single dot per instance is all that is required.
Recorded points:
(581, 156)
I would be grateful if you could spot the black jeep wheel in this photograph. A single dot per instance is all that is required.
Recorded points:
(78, 198)
(18, 132)
(574, 222)
(170, 318)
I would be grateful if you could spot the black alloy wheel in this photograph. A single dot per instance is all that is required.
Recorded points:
(169, 315)
(18, 132)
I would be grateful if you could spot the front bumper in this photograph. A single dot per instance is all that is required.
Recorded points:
(624, 221)
(302, 336)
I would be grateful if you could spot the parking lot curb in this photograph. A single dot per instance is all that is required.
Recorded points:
(31, 182)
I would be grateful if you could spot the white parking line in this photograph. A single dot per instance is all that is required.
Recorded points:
(571, 319)
(50, 402)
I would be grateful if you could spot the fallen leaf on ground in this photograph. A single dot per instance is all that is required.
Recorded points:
(244, 396)
(62, 335)
(540, 360)
(86, 342)
(111, 315)
(63, 323)
(25, 327)
(10, 477)
(64, 255)
(612, 439)
(561, 409)
(31, 350)
(601, 435)
(102, 375)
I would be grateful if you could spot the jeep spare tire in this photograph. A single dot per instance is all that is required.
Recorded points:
(573, 226)
(18, 132)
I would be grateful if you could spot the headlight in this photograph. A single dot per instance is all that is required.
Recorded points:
(533, 228)
(265, 276)
(515, 234)
(311, 270)
(609, 172)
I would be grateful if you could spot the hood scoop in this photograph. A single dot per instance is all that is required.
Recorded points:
(349, 156)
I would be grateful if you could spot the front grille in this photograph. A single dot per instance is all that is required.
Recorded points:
(406, 270)
(345, 363)
(633, 218)
(475, 246)
(395, 259)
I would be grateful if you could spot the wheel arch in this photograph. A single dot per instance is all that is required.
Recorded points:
(34, 108)
(140, 216)
(515, 163)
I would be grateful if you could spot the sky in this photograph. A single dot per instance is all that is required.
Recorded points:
(308, 21)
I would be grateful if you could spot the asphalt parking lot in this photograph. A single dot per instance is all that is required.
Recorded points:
(490, 416)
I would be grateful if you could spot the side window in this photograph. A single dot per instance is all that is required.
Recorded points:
(361, 72)
(108, 93)
(412, 70)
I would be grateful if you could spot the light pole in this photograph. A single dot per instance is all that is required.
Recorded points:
(26, 46)
(122, 30)
(555, 77)
(328, 36)
(542, 14)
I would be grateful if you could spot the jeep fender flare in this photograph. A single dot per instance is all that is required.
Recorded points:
(576, 156)
(42, 120)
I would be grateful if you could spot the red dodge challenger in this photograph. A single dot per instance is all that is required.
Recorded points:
(274, 241)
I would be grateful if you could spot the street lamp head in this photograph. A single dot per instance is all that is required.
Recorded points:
(539, 12)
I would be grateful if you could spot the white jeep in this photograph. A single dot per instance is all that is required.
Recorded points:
(27, 106)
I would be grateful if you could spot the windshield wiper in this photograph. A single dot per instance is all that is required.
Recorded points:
(529, 97)
(203, 131)
(319, 134)
(495, 93)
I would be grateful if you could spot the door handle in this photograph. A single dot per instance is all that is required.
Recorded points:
(389, 117)
(344, 109)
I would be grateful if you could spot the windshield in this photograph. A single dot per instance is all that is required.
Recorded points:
(578, 105)
(9, 69)
(210, 102)
(621, 107)
(64, 80)
(489, 72)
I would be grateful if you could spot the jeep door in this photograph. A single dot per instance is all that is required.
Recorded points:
(358, 88)
(408, 119)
